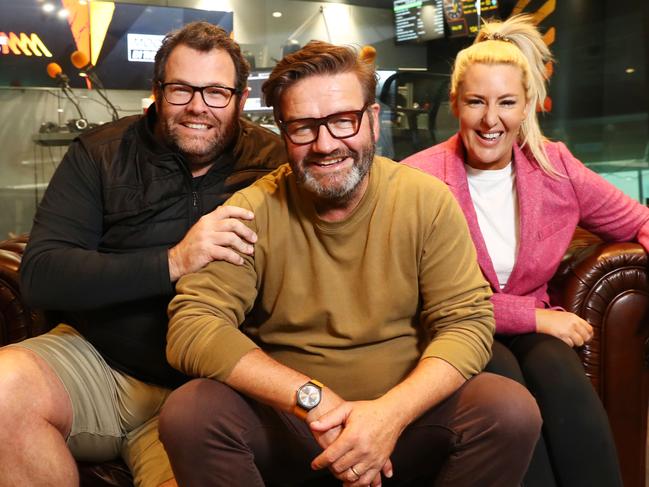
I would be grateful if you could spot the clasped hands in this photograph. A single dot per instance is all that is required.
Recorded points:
(358, 438)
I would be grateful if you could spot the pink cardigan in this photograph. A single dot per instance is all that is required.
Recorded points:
(549, 211)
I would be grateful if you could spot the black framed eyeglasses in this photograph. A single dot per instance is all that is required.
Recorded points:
(215, 96)
(341, 125)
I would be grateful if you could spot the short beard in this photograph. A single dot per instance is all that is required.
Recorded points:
(198, 150)
(345, 189)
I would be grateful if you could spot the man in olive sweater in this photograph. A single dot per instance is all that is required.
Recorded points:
(349, 346)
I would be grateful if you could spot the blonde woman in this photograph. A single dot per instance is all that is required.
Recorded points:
(523, 197)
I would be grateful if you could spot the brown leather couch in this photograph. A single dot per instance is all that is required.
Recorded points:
(607, 284)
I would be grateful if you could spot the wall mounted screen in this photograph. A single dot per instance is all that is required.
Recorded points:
(418, 20)
(120, 39)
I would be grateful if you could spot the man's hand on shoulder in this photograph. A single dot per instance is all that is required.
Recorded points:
(218, 235)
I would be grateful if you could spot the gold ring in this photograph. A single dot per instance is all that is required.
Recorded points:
(358, 475)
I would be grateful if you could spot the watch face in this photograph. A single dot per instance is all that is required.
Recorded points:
(308, 396)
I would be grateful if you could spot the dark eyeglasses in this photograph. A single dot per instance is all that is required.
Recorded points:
(341, 125)
(214, 96)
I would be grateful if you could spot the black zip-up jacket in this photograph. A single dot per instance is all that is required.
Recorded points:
(97, 254)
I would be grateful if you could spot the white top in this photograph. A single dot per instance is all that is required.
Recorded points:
(494, 197)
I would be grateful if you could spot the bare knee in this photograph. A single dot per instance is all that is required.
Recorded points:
(30, 392)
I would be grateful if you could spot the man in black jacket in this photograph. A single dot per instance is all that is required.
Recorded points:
(132, 207)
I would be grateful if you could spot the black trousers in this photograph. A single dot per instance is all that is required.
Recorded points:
(576, 448)
(482, 435)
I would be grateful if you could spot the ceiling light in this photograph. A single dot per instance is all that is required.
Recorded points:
(629, 70)
(62, 14)
(48, 7)
(277, 15)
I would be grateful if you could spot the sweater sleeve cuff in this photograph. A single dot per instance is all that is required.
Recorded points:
(229, 347)
(469, 358)
(202, 350)
(514, 315)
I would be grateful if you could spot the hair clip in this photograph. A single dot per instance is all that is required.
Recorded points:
(497, 36)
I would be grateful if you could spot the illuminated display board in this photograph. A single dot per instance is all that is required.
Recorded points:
(123, 48)
(463, 16)
(418, 21)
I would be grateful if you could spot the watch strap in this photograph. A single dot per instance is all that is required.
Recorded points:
(299, 411)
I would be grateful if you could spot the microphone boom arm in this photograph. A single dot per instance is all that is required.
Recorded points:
(69, 94)
(94, 79)
(80, 61)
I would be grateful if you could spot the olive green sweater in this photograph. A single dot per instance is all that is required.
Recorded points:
(354, 304)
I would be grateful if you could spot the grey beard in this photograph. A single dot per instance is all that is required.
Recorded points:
(340, 192)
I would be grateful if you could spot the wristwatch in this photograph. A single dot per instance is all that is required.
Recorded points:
(307, 397)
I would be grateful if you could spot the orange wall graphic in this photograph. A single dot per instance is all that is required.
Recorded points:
(539, 15)
(23, 44)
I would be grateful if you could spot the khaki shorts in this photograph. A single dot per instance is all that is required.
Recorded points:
(114, 413)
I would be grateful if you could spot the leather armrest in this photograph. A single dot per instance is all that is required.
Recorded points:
(17, 321)
(599, 282)
(607, 284)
